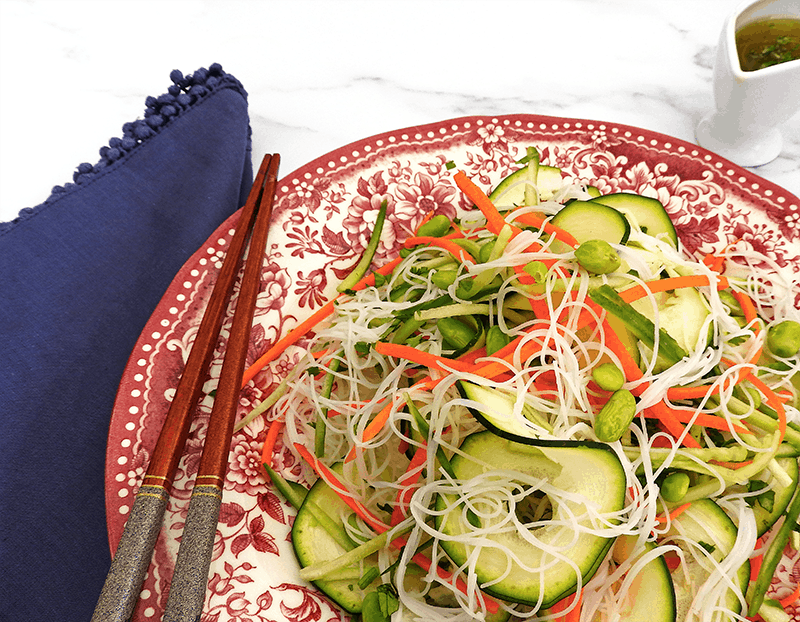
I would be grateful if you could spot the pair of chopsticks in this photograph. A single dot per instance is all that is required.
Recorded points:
(134, 552)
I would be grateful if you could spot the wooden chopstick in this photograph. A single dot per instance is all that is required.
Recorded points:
(134, 551)
(189, 581)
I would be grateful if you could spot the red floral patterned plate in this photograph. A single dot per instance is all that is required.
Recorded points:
(321, 223)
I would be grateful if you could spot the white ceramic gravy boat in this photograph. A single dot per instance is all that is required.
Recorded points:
(750, 105)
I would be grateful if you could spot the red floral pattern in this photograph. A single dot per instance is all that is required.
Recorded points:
(322, 221)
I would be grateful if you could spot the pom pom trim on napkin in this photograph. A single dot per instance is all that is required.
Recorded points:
(184, 93)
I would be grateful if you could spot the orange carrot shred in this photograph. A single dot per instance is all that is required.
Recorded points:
(407, 481)
(791, 598)
(340, 489)
(494, 219)
(574, 614)
(536, 220)
(269, 442)
(372, 429)
(673, 514)
(304, 327)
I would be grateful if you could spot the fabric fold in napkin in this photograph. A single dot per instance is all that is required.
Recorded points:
(79, 277)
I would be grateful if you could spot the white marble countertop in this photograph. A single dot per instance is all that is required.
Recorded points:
(321, 74)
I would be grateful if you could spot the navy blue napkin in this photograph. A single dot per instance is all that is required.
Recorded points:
(79, 277)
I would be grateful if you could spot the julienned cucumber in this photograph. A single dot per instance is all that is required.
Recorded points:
(707, 525)
(781, 497)
(647, 212)
(313, 545)
(581, 469)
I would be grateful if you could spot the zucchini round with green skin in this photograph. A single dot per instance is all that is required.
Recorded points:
(681, 313)
(707, 524)
(648, 213)
(313, 545)
(583, 470)
(650, 597)
(495, 409)
(587, 220)
(510, 192)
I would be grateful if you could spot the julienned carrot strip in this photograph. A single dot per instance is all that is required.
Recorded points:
(748, 308)
(340, 489)
(372, 429)
(407, 481)
(414, 355)
(731, 465)
(494, 219)
(445, 244)
(269, 442)
(708, 421)
(309, 323)
(663, 285)
(424, 562)
(535, 220)
(791, 598)
(375, 523)
(773, 401)
(665, 415)
(574, 614)
(673, 514)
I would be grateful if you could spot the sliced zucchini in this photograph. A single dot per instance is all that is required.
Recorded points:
(313, 544)
(510, 192)
(650, 596)
(584, 469)
(706, 524)
(647, 212)
(495, 410)
(587, 220)
(681, 313)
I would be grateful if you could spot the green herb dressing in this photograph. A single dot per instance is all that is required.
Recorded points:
(768, 42)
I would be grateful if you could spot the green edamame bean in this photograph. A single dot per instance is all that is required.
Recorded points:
(608, 377)
(615, 417)
(675, 486)
(455, 333)
(783, 339)
(598, 256)
(496, 339)
(436, 227)
(444, 278)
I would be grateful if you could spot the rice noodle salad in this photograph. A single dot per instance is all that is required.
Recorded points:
(545, 409)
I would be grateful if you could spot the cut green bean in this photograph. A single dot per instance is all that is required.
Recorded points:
(641, 326)
(436, 227)
(758, 589)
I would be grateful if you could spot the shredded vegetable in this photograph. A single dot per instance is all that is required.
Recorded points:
(390, 412)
